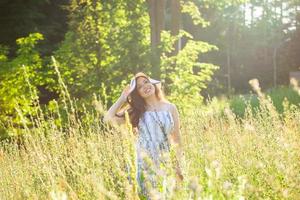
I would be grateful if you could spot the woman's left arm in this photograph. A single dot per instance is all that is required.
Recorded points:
(176, 141)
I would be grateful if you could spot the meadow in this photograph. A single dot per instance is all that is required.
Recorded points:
(256, 156)
(64, 62)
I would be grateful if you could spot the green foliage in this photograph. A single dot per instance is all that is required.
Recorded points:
(220, 4)
(183, 74)
(278, 96)
(188, 76)
(192, 10)
(19, 19)
(18, 78)
(238, 104)
(106, 42)
(3, 53)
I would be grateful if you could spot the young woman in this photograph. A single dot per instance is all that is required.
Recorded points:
(155, 119)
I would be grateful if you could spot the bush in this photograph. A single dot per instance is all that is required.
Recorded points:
(238, 104)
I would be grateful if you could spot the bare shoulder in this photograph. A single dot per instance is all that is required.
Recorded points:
(170, 106)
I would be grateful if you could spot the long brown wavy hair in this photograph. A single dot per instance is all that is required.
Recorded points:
(136, 105)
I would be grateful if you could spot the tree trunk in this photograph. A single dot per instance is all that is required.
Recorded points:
(175, 23)
(297, 16)
(281, 12)
(244, 14)
(252, 14)
(157, 24)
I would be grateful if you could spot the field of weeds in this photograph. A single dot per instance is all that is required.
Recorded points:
(225, 157)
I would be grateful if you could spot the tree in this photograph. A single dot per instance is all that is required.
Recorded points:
(182, 73)
(20, 18)
(19, 78)
(106, 41)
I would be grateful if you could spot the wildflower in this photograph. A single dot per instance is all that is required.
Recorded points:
(260, 165)
(160, 172)
(1, 154)
(242, 184)
(227, 185)
(249, 127)
(155, 195)
(98, 105)
(208, 172)
(194, 185)
(215, 164)
(255, 86)
(285, 193)
(58, 195)
(294, 83)
(241, 198)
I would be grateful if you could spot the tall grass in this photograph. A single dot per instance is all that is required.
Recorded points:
(226, 157)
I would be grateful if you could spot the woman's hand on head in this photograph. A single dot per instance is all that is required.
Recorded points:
(125, 93)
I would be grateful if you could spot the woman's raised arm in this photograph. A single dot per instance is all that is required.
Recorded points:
(110, 115)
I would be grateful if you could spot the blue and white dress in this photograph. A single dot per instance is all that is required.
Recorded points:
(152, 141)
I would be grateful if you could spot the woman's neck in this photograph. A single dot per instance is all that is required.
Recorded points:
(152, 103)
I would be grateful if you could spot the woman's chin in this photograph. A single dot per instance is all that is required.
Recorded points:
(148, 95)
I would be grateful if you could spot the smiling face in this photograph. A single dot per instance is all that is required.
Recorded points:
(144, 87)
